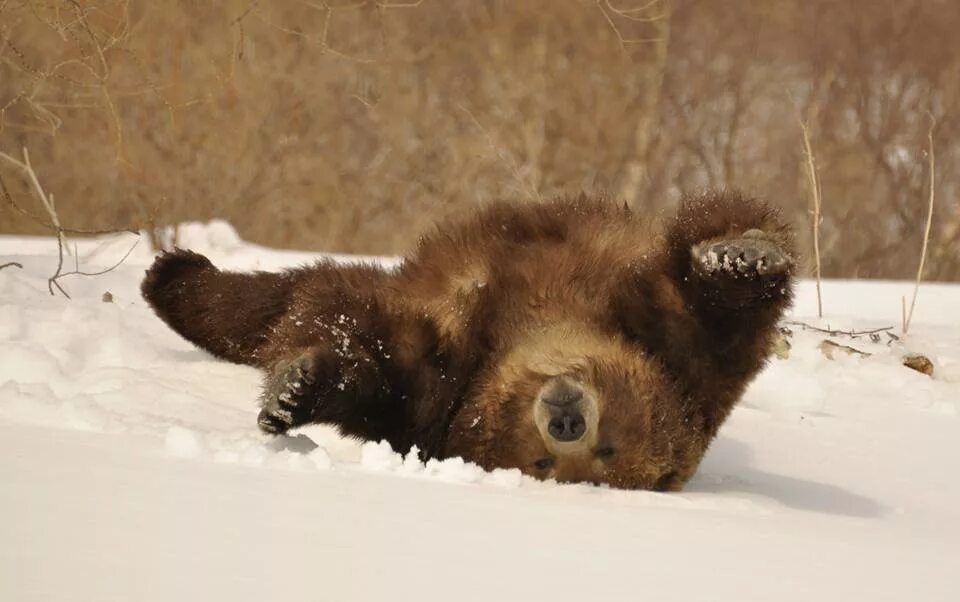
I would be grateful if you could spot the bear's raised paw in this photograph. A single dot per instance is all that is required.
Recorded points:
(752, 255)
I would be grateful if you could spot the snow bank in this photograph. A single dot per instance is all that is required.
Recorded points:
(133, 469)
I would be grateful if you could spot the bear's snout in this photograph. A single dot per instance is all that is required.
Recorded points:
(563, 399)
(564, 407)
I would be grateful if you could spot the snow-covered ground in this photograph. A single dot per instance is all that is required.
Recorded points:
(131, 469)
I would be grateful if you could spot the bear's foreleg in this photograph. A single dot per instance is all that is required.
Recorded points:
(322, 384)
(345, 353)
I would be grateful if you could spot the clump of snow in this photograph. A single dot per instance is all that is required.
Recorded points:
(183, 443)
(509, 478)
(215, 235)
(454, 470)
(254, 455)
(379, 456)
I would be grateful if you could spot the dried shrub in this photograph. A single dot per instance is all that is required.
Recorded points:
(351, 125)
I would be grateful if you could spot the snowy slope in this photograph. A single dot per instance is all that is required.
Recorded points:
(131, 469)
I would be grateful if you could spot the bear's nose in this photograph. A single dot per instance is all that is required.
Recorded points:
(567, 425)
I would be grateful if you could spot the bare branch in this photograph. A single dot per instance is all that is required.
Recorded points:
(319, 39)
(48, 202)
(631, 14)
(382, 4)
(926, 232)
(853, 334)
(44, 223)
(507, 161)
(53, 280)
(814, 183)
(45, 199)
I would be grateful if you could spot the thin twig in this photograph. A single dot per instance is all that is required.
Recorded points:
(815, 193)
(413, 4)
(926, 232)
(45, 199)
(48, 202)
(39, 220)
(850, 333)
(510, 164)
(631, 14)
(53, 280)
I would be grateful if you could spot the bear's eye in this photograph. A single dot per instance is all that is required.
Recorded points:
(543, 463)
(605, 452)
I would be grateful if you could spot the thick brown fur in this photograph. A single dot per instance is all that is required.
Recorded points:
(452, 351)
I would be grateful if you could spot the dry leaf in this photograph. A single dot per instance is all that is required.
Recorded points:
(920, 363)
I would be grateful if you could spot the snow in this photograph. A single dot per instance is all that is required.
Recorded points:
(132, 469)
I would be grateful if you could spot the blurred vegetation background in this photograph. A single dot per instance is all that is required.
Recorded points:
(348, 125)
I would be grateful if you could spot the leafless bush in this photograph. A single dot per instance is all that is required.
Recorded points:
(815, 213)
(931, 158)
(350, 125)
(54, 225)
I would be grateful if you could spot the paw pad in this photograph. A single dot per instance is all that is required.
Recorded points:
(750, 256)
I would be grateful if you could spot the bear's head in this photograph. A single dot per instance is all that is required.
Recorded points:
(576, 406)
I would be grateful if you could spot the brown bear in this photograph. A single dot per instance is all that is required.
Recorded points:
(573, 339)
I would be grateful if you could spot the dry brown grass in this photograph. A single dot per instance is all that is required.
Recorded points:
(351, 125)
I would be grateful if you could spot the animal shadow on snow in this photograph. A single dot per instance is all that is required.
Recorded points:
(298, 444)
(727, 468)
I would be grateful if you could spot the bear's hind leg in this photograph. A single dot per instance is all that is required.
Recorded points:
(728, 252)
(729, 267)
(226, 313)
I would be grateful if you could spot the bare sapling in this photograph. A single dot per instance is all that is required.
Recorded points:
(53, 223)
(908, 315)
(815, 191)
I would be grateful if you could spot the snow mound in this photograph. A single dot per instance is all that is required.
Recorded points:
(133, 468)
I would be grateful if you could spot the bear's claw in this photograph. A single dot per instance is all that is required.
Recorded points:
(751, 256)
(289, 398)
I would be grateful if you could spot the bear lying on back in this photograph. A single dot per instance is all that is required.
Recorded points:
(574, 339)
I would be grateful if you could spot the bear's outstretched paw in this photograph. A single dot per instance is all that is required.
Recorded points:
(289, 395)
(752, 255)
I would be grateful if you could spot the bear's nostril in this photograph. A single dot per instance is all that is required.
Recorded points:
(567, 427)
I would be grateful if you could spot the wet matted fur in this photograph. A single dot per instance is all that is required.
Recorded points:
(658, 325)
